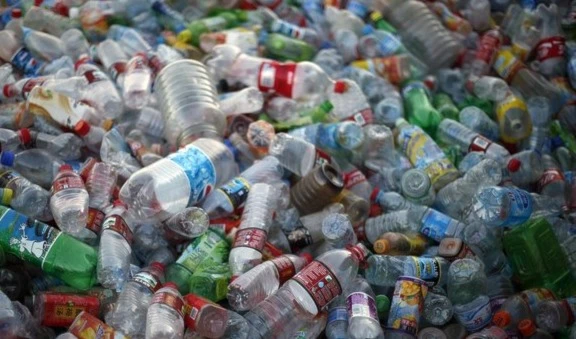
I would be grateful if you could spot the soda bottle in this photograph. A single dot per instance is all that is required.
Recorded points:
(486, 53)
(208, 319)
(252, 287)
(445, 106)
(69, 201)
(18, 55)
(419, 109)
(222, 21)
(165, 317)
(101, 91)
(553, 315)
(183, 178)
(550, 50)
(129, 315)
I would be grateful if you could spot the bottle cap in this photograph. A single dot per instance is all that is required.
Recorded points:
(308, 257)
(382, 303)
(117, 203)
(340, 87)
(327, 106)
(158, 265)
(107, 124)
(359, 251)
(171, 285)
(514, 165)
(16, 13)
(7, 158)
(7, 195)
(381, 246)
(501, 318)
(73, 12)
(526, 327)
(65, 167)
(38, 2)
(82, 128)
(25, 137)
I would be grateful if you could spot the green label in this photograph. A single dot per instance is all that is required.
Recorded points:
(208, 250)
(26, 238)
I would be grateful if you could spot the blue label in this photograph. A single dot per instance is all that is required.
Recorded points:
(389, 45)
(520, 207)
(199, 169)
(435, 224)
(427, 269)
(236, 190)
(476, 318)
(337, 313)
(357, 8)
(25, 62)
(326, 136)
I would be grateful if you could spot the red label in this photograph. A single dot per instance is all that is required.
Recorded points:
(250, 237)
(550, 175)
(362, 118)
(321, 158)
(353, 178)
(30, 84)
(117, 224)
(86, 324)
(173, 301)
(148, 279)
(69, 181)
(553, 47)
(247, 5)
(285, 267)
(320, 283)
(155, 64)
(488, 46)
(479, 144)
(274, 77)
(60, 309)
(117, 68)
(194, 305)
(270, 251)
(137, 63)
(94, 75)
(94, 221)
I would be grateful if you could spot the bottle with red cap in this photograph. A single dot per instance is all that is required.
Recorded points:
(115, 249)
(129, 316)
(252, 287)
(529, 330)
(307, 293)
(69, 201)
(92, 135)
(553, 315)
(100, 184)
(525, 168)
(65, 146)
(349, 103)
(137, 86)
(205, 317)
(165, 317)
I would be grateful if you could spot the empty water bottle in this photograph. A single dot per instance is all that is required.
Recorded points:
(165, 317)
(69, 201)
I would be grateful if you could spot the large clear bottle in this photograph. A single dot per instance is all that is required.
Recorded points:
(69, 201)
(363, 320)
(165, 317)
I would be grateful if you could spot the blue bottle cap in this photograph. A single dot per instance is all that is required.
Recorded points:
(7, 158)
(367, 29)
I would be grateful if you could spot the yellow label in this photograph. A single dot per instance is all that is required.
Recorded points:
(511, 102)
(505, 62)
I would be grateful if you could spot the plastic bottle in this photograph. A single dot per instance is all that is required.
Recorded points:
(519, 307)
(129, 316)
(438, 309)
(38, 165)
(362, 316)
(384, 270)
(249, 242)
(165, 317)
(29, 198)
(196, 169)
(208, 319)
(550, 49)
(478, 121)
(43, 45)
(137, 85)
(9, 140)
(65, 146)
(553, 315)
(101, 91)
(337, 325)
(100, 184)
(417, 187)
(487, 87)
(113, 59)
(20, 57)
(252, 287)
(191, 223)
(69, 201)
(529, 330)
(419, 109)
(338, 231)
(395, 243)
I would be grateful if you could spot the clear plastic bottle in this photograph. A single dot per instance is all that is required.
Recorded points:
(91, 135)
(15, 53)
(231, 195)
(362, 315)
(129, 38)
(183, 178)
(9, 140)
(192, 222)
(487, 87)
(37, 165)
(349, 103)
(295, 154)
(75, 43)
(151, 122)
(521, 306)
(113, 59)
(165, 317)
(252, 287)
(438, 309)
(69, 201)
(249, 242)
(129, 316)
(478, 121)
(100, 183)
(417, 187)
(529, 331)
(43, 45)
(525, 168)
(65, 146)
(338, 231)
(137, 85)
(29, 198)
(553, 315)
(115, 251)
(207, 318)
(337, 325)
(101, 91)
(384, 270)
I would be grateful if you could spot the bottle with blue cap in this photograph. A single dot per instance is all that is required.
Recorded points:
(35, 164)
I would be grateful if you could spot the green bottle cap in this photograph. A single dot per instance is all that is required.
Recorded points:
(382, 304)
(327, 106)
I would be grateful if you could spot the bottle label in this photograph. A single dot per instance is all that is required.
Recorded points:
(520, 207)
(360, 304)
(195, 304)
(550, 175)
(25, 62)
(94, 75)
(534, 296)
(236, 190)
(479, 144)
(60, 309)
(299, 238)
(252, 237)
(147, 280)
(173, 301)
(116, 69)
(209, 249)
(117, 224)
(476, 318)
(353, 178)
(198, 168)
(94, 221)
(270, 251)
(357, 8)
(553, 47)
(407, 305)
(70, 181)
(320, 282)
(435, 225)
(274, 77)
(506, 64)
(57, 107)
(488, 45)
(86, 323)
(285, 268)
(362, 118)
(427, 269)
(337, 314)
(285, 28)
(28, 239)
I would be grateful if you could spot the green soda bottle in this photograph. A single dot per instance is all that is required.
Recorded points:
(283, 48)
(219, 22)
(211, 282)
(56, 253)
(568, 138)
(445, 106)
(313, 116)
(205, 251)
(418, 108)
(537, 259)
(453, 153)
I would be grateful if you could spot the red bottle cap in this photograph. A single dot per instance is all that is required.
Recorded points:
(16, 13)
(65, 167)
(514, 165)
(25, 137)
(82, 128)
(501, 318)
(171, 285)
(308, 257)
(374, 194)
(38, 2)
(527, 327)
(117, 203)
(340, 87)
(158, 265)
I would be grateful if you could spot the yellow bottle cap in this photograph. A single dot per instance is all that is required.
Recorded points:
(7, 195)
(185, 36)
(381, 246)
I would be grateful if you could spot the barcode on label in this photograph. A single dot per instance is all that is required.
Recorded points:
(193, 313)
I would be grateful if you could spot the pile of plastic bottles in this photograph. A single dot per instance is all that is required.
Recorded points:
(287, 169)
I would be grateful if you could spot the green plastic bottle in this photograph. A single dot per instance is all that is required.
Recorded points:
(219, 22)
(56, 253)
(568, 138)
(212, 282)
(537, 259)
(446, 106)
(283, 48)
(313, 116)
(418, 108)
(208, 250)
